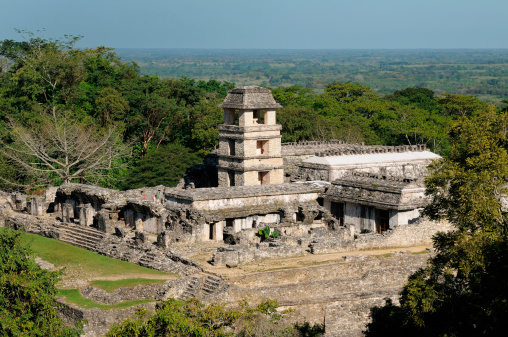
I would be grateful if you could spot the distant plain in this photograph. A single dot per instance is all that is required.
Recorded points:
(480, 72)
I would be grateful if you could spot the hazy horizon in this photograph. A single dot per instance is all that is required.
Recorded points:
(263, 24)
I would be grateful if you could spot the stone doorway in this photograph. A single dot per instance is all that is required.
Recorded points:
(337, 210)
(382, 220)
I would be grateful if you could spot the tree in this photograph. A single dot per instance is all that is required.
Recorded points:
(61, 148)
(463, 105)
(194, 319)
(50, 139)
(420, 97)
(464, 290)
(163, 166)
(397, 123)
(27, 293)
(349, 92)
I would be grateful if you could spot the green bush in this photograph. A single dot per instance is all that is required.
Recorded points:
(27, 293)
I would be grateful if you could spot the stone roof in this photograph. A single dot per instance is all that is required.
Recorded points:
(232, 192)
(346, 159)
(249, 97)
(379, 191)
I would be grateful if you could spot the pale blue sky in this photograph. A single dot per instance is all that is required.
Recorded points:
(274, 24)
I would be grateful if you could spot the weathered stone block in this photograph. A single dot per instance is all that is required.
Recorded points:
(86, 214)
(120, 231)
(103, 223)
(67, 213)
(19, 201)
(165, 239)
(141, 237)
(36, 207)
(139, 225)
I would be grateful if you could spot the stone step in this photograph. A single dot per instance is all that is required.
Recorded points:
(91, 233)
(209, 286)
(77, 244)
(209, 281)
(80, 238)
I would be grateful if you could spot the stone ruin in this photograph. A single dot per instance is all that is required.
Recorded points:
(315, 198)
(305, 193)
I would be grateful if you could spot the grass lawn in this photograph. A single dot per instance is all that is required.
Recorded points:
(84, 265)
(74, 296)
(110, 286)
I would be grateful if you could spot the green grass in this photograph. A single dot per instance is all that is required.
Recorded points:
(384, 255)
(110, 286)
(81, 264)
(75, 297)
(422, 252)
(63, 254)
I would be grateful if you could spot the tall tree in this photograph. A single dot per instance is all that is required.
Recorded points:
(50, 140)
(463, 291)
(60, 148)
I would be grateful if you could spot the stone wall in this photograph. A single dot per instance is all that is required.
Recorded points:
(400, 236)
(236, 255)
(99, 321)
(338, 294)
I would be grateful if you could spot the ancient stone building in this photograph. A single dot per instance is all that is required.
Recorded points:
(316, 197)
(374, 203)
(249, 139)
(300, 190)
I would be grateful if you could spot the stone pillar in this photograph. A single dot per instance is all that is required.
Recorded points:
(36, 206)
(141, 237)
(164, 239)
(19, 202)
(237, 225)
(139, 225)
(218, 231)
(67, 213)
(205, 232)
(50, 194)
(86, 214)
(74, 209)
(103, 221)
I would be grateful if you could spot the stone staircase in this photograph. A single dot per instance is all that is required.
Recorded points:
(80, 236)
(158, 260)
(202, 286)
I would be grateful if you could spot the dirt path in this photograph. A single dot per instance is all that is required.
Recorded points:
(304, 261)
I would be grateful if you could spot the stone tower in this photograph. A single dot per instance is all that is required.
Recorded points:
(249, 139)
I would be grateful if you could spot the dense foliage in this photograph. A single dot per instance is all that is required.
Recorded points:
(163, 166)
(85, 116)
(27, 293)
(195, 319)
(463, 291)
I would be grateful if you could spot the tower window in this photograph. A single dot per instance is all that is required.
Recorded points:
(231, 147)
(262, 147)
(258, 117)
(231, 176)
(263, 178)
